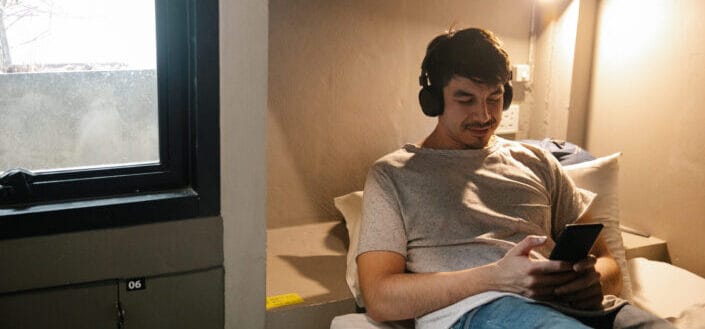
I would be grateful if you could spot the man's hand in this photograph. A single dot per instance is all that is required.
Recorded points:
(537, 279)
(576, 285)
(585, 291)
(385, 282)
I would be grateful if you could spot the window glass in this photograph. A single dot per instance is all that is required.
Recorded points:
(78, 84)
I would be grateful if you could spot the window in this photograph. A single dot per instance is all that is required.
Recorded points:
(80, 86)
(108, 113)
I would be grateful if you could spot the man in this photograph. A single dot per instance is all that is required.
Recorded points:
(456, 229)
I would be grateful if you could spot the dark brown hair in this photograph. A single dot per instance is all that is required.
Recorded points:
(472, 53)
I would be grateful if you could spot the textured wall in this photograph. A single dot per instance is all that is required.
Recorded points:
(343, 86)
(563, 42)
(243, 109)
(555, 33)
(647, 102)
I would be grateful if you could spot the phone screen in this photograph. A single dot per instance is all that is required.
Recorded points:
(575, 242)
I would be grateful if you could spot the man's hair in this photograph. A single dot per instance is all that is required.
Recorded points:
(472, 53)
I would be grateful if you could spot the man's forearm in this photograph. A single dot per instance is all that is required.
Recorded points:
(392, 294)
(410, 295)
(610, 275)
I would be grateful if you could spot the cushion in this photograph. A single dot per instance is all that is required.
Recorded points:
(362, 321)
(601, 176)
(350, 205)
(565, 152)
(669, 292)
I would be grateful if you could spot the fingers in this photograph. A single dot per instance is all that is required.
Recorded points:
(539, 293)
(523, 248)
(543, 287)
(550, 267)
(594, 303)
(577, 284)
(589, 279)
(537, 279)
(585, 264)
(585, 292)
(588, 299)
(558, 279)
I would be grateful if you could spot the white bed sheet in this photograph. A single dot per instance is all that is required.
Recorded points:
(361, 321)
(669, 292)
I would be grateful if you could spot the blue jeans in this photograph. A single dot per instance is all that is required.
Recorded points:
(511, 312)
(515, 313)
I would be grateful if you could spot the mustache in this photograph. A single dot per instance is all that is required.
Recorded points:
(480, 125)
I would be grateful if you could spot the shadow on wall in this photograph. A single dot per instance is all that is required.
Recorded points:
(328, 271)
(325, 270)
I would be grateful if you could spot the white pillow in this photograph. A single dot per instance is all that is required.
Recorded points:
(350, 205)
(601, 176)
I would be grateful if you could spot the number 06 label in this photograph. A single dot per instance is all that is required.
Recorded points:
(136, 284)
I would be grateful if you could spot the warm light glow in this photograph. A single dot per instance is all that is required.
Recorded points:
(633, 28)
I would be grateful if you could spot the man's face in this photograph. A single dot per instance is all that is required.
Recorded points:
(471, 114)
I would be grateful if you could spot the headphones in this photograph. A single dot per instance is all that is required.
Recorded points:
(431, 97)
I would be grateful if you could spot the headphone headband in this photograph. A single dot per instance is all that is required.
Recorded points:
(430, 95)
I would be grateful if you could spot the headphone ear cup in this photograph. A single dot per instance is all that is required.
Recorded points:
(430, 104)
(508, 94)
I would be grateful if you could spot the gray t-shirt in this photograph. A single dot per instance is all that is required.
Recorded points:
(447, 210)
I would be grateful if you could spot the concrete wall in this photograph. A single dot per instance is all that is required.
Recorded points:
(582, 71)
(243, 109)
(74, 280)
(647, 102)
(555, 35)
(72, 119)
(551, 68)
(563, 42)
(240, 242)
(343, 88)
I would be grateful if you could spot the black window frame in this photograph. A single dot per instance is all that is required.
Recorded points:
(186, 181)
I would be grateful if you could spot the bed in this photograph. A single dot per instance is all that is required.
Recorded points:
(668, 291)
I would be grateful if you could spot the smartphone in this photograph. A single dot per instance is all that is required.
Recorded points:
(575, 242)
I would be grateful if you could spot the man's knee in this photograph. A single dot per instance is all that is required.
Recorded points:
(633, 317)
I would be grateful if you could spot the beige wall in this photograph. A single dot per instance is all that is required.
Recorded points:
(554, 34)
(343, 86)
(647, 102)
(563, 43)
(243, 108)
(582, 71)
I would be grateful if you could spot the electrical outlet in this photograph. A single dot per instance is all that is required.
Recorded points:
(521, 73)
(510, 121)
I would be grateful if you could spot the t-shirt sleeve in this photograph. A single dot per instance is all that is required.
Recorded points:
(382, 227)
(568, 202)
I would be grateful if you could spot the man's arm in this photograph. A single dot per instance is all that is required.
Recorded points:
(392, 294)
(606, 265)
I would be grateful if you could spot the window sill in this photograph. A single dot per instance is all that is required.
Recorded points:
(71, 216)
